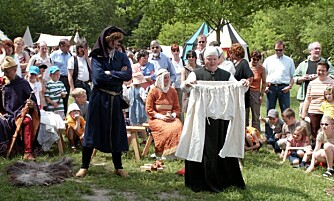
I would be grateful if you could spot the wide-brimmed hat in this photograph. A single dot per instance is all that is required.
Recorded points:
(33, 70)
(138, 78)
(73, 107)
(8, 63)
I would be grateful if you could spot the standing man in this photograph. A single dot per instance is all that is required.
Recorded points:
(201, 44)
(60, 58)
(79, 69)
(160, 60)
(105, 129)
(307, 71)
(14, 96)
(280, 70)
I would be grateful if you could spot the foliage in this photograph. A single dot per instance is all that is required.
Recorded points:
(177, 33)
(296, 25)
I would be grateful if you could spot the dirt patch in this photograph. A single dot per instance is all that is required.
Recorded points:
(99, 195)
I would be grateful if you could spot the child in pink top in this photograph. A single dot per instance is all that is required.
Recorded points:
(298, 148)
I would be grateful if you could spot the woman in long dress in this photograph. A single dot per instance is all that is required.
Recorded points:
(162, 107)
(213, 173)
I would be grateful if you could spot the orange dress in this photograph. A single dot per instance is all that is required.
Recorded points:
(166, 135)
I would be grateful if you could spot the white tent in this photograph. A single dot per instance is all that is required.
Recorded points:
(27, 38)
(76, 37)
(228, 36)
(51, 40)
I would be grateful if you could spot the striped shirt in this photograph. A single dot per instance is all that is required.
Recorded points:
(53, 91)
(315, 93)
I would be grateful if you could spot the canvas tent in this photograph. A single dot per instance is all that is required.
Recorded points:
(3, 36)
(191, 43)
(51, 40)
(228, 36)
(27, 38)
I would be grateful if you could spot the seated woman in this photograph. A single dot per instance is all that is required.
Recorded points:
(325, 138)
(162, 107)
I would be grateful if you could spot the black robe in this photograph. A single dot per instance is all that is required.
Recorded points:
(213, 173)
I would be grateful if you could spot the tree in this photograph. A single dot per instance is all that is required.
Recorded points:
(177, 33)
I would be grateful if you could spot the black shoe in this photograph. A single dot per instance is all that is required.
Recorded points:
(328, 173)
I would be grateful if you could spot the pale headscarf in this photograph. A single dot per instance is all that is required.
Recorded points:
(159, 83)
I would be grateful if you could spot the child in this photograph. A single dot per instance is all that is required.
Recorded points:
(289, 126)
(253, 139)
(298, 148)
(80, 98)
(327, 107)
(275, 124)
(137, 97)
(55, 92)
(35, 84)
(75, 125)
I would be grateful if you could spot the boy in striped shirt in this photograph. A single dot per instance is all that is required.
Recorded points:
(55, 92)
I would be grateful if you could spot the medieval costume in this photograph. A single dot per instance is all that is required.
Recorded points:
(212, 141)
(105, 128)
(160, 101)
(13, 96)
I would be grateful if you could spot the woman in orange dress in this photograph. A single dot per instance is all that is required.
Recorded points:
(162, 107)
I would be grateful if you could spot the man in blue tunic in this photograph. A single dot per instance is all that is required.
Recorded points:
(105, 129)
(14, 95)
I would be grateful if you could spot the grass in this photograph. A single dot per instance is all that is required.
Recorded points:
(265, 178)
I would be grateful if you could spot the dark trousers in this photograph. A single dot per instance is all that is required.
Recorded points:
(315, 124)
(64, 80)
(87, 154)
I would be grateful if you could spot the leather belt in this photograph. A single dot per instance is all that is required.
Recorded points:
(276, 85)
(84, 82)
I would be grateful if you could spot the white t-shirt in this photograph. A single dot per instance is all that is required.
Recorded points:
(83, 73)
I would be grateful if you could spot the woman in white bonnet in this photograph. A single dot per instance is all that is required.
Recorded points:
(213, 173)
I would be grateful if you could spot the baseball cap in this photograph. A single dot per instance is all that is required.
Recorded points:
(33, 70)
(53, 69)
(273, 113)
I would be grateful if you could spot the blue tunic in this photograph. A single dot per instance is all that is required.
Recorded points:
(105, 128)
(12, 99)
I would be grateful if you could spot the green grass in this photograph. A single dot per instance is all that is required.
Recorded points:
(265, 178)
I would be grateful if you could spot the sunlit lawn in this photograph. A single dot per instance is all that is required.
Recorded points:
(265, 177)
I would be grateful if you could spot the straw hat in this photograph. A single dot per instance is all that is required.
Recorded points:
(138, 78)
(8, 63)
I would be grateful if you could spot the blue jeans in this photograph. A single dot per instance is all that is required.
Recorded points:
(270, 135)
(275, 92)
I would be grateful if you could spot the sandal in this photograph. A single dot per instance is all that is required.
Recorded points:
(121, 173)
(82, 172)
(28, 157)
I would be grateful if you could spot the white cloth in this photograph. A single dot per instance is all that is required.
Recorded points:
(228, 66)
(50, 123)
(217, 100)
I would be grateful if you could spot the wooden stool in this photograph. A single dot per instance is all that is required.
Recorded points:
(148, 142)
(61, 143)
(134, 138)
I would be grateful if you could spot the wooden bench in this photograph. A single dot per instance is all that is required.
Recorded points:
(134, 138)
(148, 142)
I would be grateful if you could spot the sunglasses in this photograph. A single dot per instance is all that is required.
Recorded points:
(323, 124)
(189, 57)
(256, 59)
(278, 50)
(156, 47)
(175, 50)
(201, 41)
